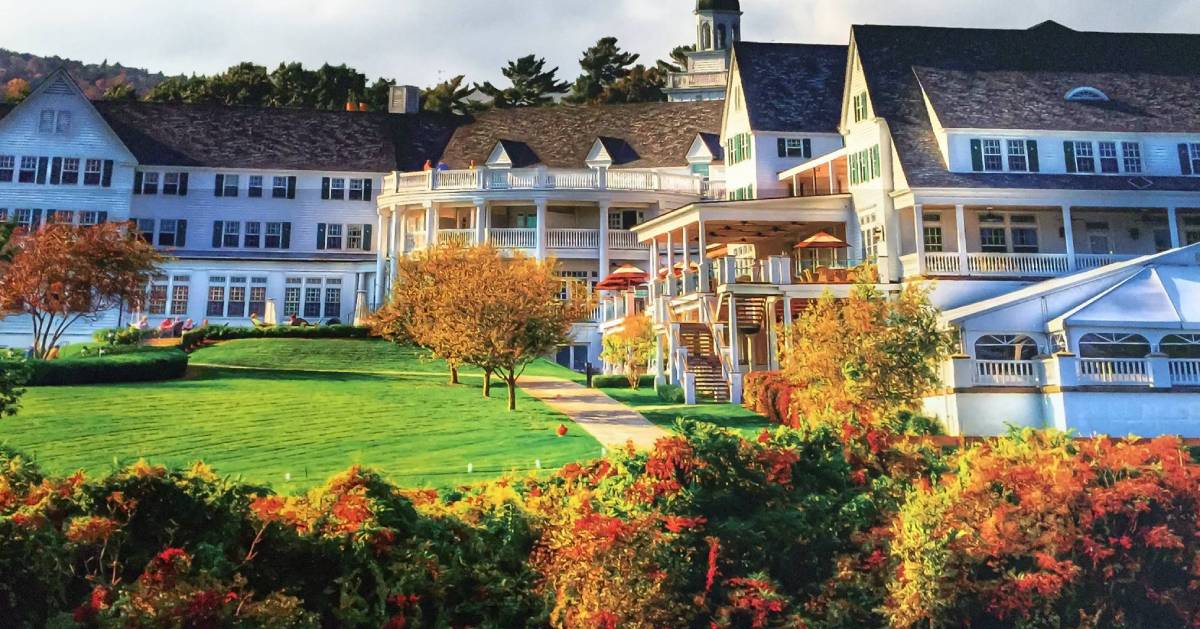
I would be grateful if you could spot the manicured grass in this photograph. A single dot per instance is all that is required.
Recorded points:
(732, 416)
(265, 424)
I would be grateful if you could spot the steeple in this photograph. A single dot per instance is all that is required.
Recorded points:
(718, 24)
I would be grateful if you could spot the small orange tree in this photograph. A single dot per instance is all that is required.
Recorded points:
(864, 357)
(61, 273)
(631, 347)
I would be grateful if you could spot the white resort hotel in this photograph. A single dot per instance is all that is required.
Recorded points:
(1045, 180)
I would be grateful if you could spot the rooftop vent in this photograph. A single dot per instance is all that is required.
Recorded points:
(404, 99)
(1087, 94)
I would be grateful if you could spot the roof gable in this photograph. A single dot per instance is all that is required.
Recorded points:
(512, 154)
(791, 87)
(58, 91)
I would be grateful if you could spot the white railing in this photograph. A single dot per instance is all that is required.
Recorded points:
(941, 262)
(549, 179)
(1018, 263)
(1114, 371)
(461, 237)
(713, 190)
(584, 179)
(412, 181)
(513, 237)
(1087, 261)
(457, 180)
(686, 184)
(523, 179)
(679, 80)
(573, 238)
(1185, 371)
(625, 239)
(749, 270)
(1005, 372)
(631, 180)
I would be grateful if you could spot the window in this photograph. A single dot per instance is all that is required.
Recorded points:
(1098, 237)
(1189, 157)
(1085, 161)
(1131, 156)
(166, 232)
(23, 217)
(312, 298)
(993, 240)
(701, 169)
(8, 163)
(70, 170)
(171, 183)
(28, 172)
(157, 301)
(279, 187)
(573, 282)
(1181, 346)
(738, 148)
(1108, 157)
(237, 297)
(793, 147)
(933, 238)
(992, 159)
(63, 124)
(337, 188)
(227, 186)
(179, 295)
(860, 107)
(64, 217)
(356, 189)
(333, 236)
(1113, 345)
(231, 234)
(87, 218)
(91, 172)
(1086, 94)
(258, 296)
(254, 190)
(1018, 156)
(216, 297)
(273, 236)
(149, 183)
(46, 121)
(253, 235)
(354, 236)
(333, 301)
(145, 227)
(291, 297)
(1024, 240)
(1005, 347)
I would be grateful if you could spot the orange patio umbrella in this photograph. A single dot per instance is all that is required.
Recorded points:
(822, 240)
(678, 268)
(624, 278)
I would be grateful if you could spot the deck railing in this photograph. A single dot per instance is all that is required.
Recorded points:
(573, 238)
(513, 237)
(1005, 373)
(1008, 264)
(480, 179)
(1114, 371)
(1185, 371)
(461, 237)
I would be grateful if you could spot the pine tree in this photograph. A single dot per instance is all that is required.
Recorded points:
(603, 64)
(532, 84)
(449, 97)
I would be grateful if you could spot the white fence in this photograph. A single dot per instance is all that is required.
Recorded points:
(544, 179)
(1114, 371)
(1005, 372)
(625, 239)
(1185, 371)
(461, 237)
(513, 237)
(573, 238)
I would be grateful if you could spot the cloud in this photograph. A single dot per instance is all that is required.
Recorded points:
(422, 41)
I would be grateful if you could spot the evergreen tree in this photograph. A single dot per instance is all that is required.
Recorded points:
(243, 84)
(603, 64)
(293, 86)
(677, 61)
(449, 97)
(641, 85)
(120, 91)
(180, 89)
(377, 95)
(532, 84)
(337, 85)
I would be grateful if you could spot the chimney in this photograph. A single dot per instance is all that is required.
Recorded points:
(404, 99)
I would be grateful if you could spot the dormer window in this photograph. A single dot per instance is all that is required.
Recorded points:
(1086, 94)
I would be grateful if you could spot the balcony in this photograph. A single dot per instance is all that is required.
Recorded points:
(1006, 264)
(548, 179)
(694, 80)
(526, 238)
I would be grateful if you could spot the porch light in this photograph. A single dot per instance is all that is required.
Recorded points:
(990, 217)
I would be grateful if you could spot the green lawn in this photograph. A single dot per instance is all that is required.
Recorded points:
(647, 402)
(389, 409)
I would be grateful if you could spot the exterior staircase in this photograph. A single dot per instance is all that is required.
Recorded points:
(703, 362)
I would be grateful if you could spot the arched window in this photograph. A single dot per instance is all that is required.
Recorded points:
(1005, 347)
(1113, 345)
(1086, 93)
(736, 32)
(1181, 345)
(720, 37)
(706, 36)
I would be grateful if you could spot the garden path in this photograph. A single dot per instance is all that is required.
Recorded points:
(609, 421)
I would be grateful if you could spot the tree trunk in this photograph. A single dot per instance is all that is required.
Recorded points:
(512, 393)
(453, 374)
(487, 383)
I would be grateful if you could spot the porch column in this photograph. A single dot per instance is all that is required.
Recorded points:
(660, 377)
(603, 206)
(480, 221)
(387, 241)
(1173, 225)
(1069, 236)
(701, 242)
(654, 268)
(431, 223)
(734, 358)
(832, 180)
(960, 217)
(401, 235)
(381, 254)
(686, 272)
(540, 251)
(772, 336)
(670, 264)
(919, 236)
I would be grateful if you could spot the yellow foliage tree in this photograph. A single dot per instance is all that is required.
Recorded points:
(631, 347)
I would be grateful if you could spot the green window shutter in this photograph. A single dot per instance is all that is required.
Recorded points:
(807, 147)
(749, 147)
(976, 155)
(1069, 155)
(183, 183)
(876, 171)
(180, 233)
(1032, 151)
(782, 147)
(1185, 160)
(55, 170)
(366, 244)
(320, 235)
(219, 188)
(291, 187)
(218, 229)
(286, 240)
(137, 182)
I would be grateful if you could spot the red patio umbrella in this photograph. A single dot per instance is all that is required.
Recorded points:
(679, 268)
(624, 278)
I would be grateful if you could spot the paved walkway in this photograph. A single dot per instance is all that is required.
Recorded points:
(610, 422)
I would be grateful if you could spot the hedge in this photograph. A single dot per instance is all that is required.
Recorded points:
(617, 381)
(671, 394)
(193, 339)
(144, 365)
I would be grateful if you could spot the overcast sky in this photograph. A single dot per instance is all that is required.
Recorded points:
(422, 42)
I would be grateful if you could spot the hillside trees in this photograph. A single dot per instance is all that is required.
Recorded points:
(449, 97)
(62, 273)
(603, 64)
(532, 84)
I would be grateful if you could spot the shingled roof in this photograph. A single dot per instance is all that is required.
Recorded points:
(291, 139)
(792, 87)
(658, 134)
(1007, 79)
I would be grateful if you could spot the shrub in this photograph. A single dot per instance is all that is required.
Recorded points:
(195, 338)
(146, 364)
(615, 381)
(671, 394)
(769, 394)
(123, 336)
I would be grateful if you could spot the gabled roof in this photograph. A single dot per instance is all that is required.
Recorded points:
(992, 78)
(516, 154)
(618, 150)
(1157, 297)
(791, 87)
(713, 142)
(659, 134)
